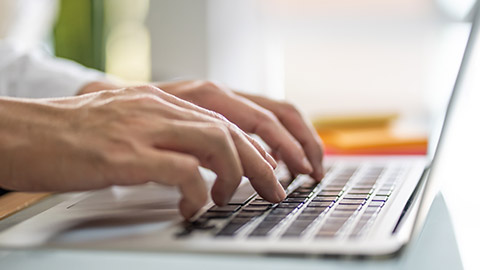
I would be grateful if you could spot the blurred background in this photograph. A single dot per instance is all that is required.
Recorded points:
(344, 62)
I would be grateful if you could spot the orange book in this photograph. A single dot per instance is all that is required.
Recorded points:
(357, 136)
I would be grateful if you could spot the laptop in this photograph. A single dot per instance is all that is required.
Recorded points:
(364, 206)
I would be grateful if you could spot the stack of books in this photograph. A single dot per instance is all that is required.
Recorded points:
(368, 135)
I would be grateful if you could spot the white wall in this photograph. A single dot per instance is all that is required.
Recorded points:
(179, 39)
(243, 49)
(328, 57)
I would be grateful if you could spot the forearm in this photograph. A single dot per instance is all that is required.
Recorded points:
(25, 126)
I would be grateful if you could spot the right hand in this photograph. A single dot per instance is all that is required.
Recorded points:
(127, 137)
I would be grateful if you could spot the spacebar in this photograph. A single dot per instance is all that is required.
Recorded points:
(242, 194)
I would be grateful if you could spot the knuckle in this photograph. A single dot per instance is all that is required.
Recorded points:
(209, 86)
(288, 108)
(105, 94)
(145, 100)
(266, 117)
(219, 116)
(218, 131)
(144, 89)
(219, 135)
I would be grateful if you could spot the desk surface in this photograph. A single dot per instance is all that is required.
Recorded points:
(435, 248)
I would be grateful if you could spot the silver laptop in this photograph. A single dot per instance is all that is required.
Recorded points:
(365, 206)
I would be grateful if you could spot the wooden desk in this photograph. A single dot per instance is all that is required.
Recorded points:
(15, 201)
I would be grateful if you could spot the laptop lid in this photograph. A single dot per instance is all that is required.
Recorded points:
(458, 117)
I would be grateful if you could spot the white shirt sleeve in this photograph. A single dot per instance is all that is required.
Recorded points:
(33, 74)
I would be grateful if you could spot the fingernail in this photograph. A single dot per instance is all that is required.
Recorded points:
(318, 174)
(280, 192)
(306, 165)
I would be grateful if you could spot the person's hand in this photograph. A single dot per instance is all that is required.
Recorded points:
(291, 137)
(127, 137)
(279, 124)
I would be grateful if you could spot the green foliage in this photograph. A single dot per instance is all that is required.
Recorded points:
(79, 32)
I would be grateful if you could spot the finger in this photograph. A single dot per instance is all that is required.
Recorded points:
(309, 140)
(181, 170)
(260, 174)
(212, 145)
(300, 128)
(255, 119)
(255, 167)
(190, 106)
(261, 150)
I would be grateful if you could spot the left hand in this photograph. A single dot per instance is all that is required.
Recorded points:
(279, 124)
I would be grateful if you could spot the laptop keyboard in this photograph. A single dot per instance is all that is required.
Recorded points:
(345, 204)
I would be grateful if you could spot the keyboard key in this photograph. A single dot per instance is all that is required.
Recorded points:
(388, 185)
(320, 204)
(267, 224)
(332, 189)
(296, 200)
(350, 201)
(230, 229)
(199, 224)
(329, 229)
(372, 210)
(226, 208)
(259, 233)
(296, 228)
(281, 211)
(304, 190)
(335, 221)
(274, 218)
(329, 193)
(324, 199)
(288, 205)
(366, 186)
(314, 210)
(360, 191)
(326, 234)
(307, 216)
(262, 229)
(309, 184)
(216, 215)
(384, 192)
(376, 204)
(356, 196)
(342, 214)
(335, 186)
(242, 220)
(257, 203)
(247, 214)
(254, 208)
(300, 224)
(380, 198)
(347, 207)
(298, 195)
